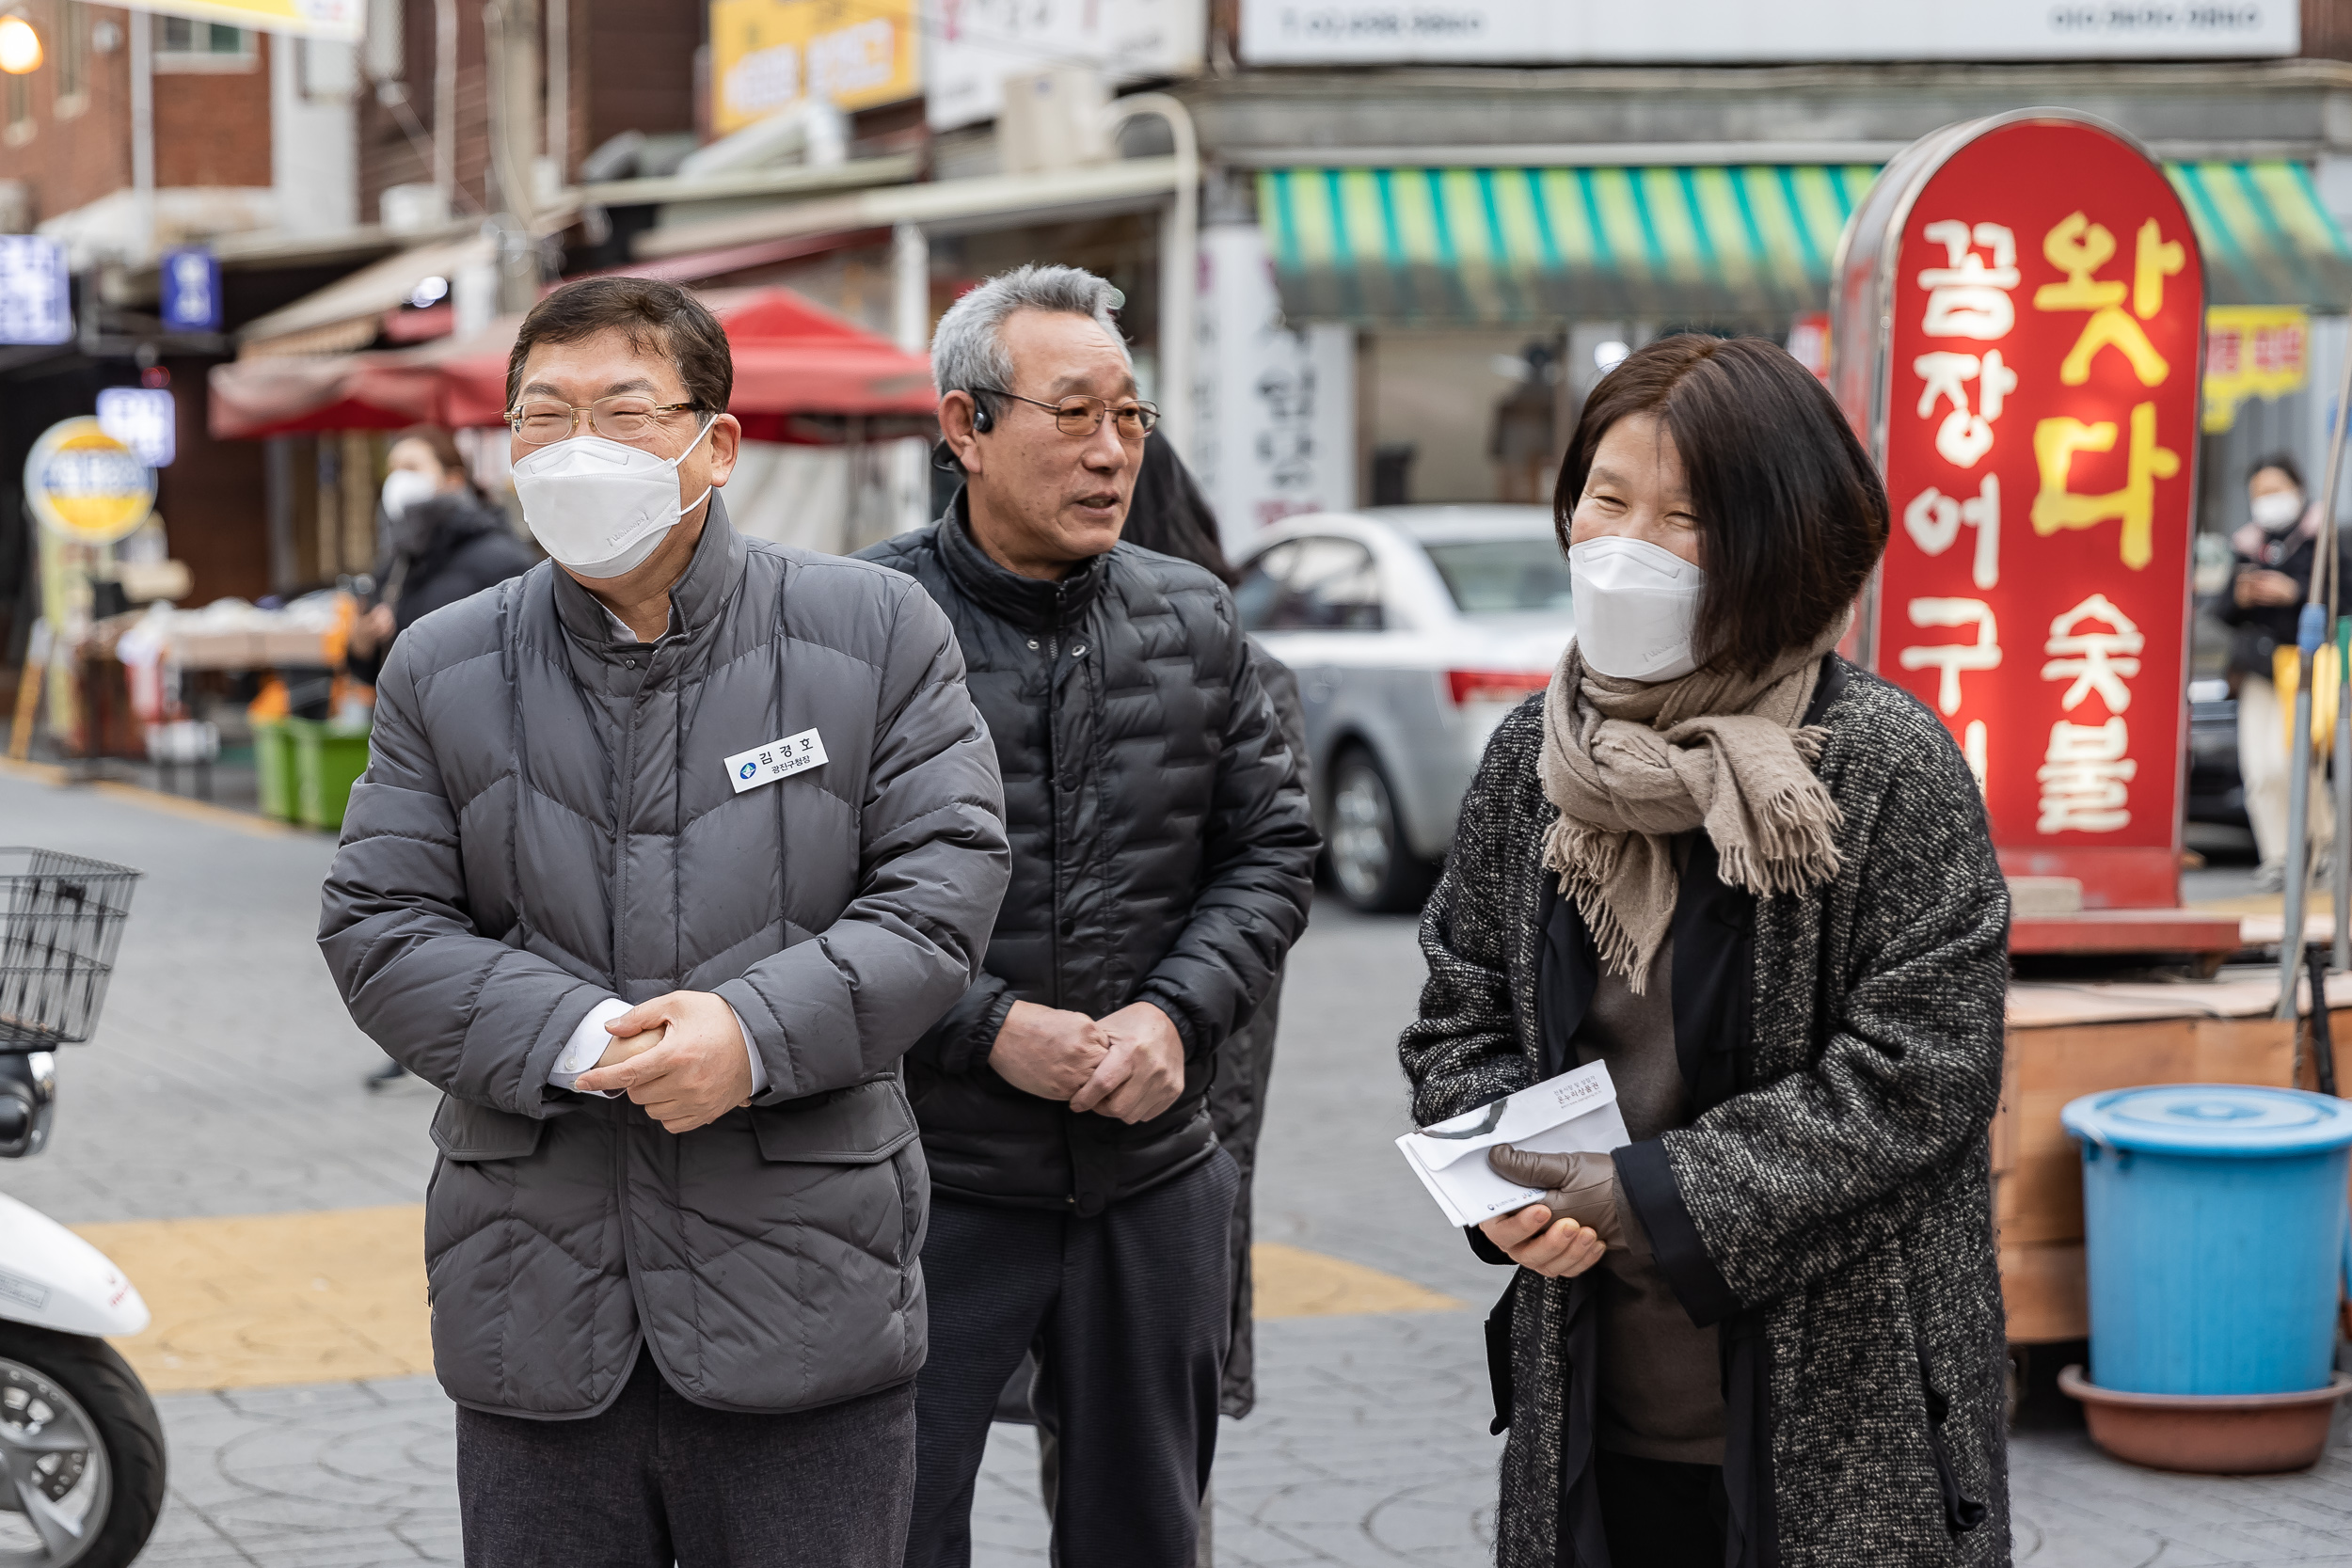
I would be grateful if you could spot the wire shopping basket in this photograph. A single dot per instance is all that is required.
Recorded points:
(60, 921)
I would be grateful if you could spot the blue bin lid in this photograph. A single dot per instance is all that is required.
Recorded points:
(2221, 1119)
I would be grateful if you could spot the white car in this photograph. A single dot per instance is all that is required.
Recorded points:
(1413, 630)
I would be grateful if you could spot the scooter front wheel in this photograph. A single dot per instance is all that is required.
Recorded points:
(81, 1453)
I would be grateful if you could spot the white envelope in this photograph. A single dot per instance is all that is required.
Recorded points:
(1575, 1112)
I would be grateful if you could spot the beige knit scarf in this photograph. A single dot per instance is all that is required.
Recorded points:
(1632, 763)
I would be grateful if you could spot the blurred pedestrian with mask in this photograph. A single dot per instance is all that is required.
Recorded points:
(2275, 555)
(443, 542)
(1756, 882)
(666, 853)
(1162, 852)
(1169, 514)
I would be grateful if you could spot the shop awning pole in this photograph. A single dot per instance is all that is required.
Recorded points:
(2339, 879)
(2312, 629)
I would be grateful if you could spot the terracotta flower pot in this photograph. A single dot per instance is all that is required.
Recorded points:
(2212, 1435)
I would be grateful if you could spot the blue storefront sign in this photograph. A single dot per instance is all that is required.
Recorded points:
(191, 290)
(35, 295)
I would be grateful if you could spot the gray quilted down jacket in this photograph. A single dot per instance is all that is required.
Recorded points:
(1163, 853)
(545, 821)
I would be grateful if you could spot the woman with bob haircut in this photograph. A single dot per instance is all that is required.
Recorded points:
(1756, 882)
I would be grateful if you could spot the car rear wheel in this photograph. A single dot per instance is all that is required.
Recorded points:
(1375, 868)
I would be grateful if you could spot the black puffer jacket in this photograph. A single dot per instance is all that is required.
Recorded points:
(1162, 852)
(448, 548)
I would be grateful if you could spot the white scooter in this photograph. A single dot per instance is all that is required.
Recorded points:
(80, 1448)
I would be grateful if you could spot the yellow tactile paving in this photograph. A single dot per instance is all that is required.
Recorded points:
(1293, 1282)
(267, 1299)
(274, 1299)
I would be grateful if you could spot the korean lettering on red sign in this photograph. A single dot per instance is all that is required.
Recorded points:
(2040, 417)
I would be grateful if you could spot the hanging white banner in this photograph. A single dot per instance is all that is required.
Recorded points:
(1362, 32)
(330, 20)
(1277, 407)
(971, 46)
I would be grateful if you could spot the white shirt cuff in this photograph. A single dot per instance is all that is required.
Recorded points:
(759, 1068)
(588, 1043)
(586, 1046)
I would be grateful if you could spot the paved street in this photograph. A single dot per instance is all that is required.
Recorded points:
(225, 1082)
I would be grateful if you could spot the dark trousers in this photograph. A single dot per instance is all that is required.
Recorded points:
(1662, 1514)
(657, 1479)
(1128, 1313)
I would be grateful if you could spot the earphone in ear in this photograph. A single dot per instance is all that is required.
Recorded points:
(982, 420)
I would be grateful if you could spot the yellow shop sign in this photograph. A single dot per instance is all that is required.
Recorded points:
(2252, 351)
(85, 485)
(767, 56)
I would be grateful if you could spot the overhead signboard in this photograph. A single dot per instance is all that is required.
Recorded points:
(975, 44)
(2019, 319)
(330, 20)
(85, 485)
(35, 290)
(1369, 32)
(145, 418)
(768, 56)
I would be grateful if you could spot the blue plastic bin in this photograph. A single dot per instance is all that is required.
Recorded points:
(2214, 1216)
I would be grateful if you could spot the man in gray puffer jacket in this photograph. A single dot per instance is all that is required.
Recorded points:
(1162, 852)
(712, 825)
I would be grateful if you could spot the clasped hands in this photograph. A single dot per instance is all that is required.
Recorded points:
(1129, 1064)
(1576, 1220)
(681, 1056)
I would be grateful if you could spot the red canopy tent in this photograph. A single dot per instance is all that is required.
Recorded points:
(802, 374)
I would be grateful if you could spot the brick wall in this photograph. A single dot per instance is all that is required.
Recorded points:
(2328, 29)
(75, 158)
(211, 128)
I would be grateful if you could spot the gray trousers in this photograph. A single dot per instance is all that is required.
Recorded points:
(658, 1479)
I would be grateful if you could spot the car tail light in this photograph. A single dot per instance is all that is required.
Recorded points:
(1494, 686)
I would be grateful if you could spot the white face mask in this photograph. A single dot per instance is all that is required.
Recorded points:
(1636, 607)
(598, 506)
(404, 487)
(2279, 509)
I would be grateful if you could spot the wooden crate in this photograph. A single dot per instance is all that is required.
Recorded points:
(2037, 1168)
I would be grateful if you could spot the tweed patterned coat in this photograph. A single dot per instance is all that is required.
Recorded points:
(1837, 1204)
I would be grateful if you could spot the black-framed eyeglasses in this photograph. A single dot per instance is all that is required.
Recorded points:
(542, 420)
(1084, 415)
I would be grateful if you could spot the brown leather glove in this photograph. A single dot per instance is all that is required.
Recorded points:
(1582, 1187)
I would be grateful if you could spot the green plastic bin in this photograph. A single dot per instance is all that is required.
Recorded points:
(328, 760)
(273, 766)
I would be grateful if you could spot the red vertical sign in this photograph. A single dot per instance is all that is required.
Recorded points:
(2037, 411)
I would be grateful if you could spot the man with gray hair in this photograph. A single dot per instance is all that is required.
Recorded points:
(1162, 850)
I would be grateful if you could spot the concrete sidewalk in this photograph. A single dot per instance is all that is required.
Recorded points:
(225, 1082)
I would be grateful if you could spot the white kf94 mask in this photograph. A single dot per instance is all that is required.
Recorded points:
(598, 506)
(1636, 607)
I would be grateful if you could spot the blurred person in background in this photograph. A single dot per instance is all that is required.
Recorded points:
(1757, 883)
(1169, 514)
(443, 542)
(2275, 555)
(1162, 857)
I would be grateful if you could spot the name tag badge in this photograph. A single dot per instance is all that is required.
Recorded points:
(778, 759)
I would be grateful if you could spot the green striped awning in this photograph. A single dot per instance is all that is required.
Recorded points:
(1716, 244)
(2266, 240)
